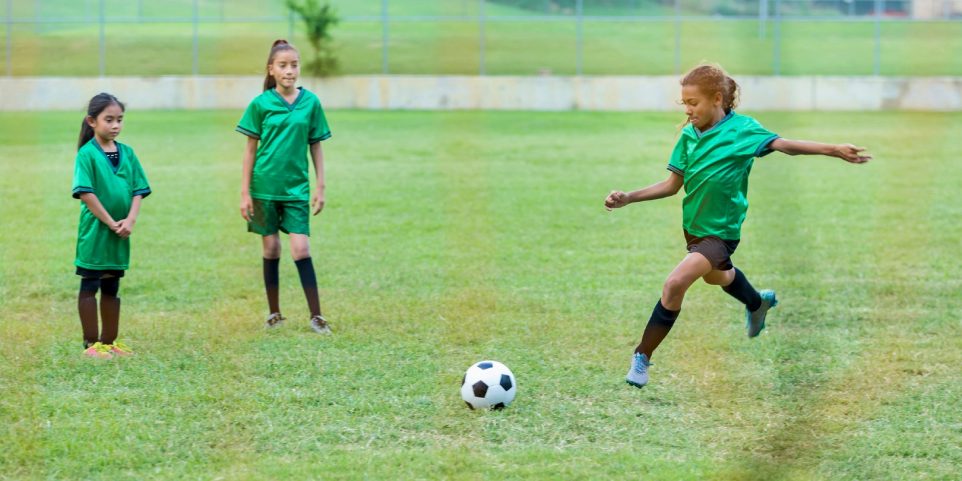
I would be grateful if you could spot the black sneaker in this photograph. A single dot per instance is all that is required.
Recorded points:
(275, 319)
(319, 325)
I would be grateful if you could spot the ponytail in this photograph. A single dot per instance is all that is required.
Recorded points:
(279, 45)
(86, 133)
(97, 105)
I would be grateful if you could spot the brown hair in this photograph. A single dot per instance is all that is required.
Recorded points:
(712, 79)
(97, 105)
(278, 46)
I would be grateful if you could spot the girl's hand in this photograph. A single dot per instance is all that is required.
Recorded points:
(851, 153)
(317, 200)
(616, 199)
(125, 227)
(247, 207)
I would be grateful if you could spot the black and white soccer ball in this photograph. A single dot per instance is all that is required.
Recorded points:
(488, 385)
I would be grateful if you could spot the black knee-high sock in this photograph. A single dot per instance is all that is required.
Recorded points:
(109, 309)
(305, 269)
(87, 308)
(657, 329)
(272, 283)
(742, 290)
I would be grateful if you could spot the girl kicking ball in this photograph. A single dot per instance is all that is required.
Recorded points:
(712, 160)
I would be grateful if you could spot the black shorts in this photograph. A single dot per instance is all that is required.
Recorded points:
(96, 274)
(718, 251)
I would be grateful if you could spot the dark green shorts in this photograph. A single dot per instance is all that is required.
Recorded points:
(288, 216)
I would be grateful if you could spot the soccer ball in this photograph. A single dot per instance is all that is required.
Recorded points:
(488, 384)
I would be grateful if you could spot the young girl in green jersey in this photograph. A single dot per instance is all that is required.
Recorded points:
(110, 183)
(712, 160)
(282, 125)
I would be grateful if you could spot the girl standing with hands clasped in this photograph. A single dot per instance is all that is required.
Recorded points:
(282, 125)
(110, 183)
(712, 160)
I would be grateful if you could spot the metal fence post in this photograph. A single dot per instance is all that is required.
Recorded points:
(103, 39)
(677, 37)
(481, 38)
(580, 47)
(195, 67)
(762, 18)
(9, 38)
(777, 55)
(290, 26)
(877, 57)
(385, 36)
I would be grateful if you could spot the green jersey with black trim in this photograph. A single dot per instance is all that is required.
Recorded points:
(98, 247)
(284, 130)
(715, 165)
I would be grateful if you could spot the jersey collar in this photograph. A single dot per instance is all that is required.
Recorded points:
(290, 106)
(120, 155)
(699, 134)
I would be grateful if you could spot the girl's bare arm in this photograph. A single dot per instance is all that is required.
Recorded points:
(665, 188)
(97, 209)
(846, 152)
(246, 205)
(317, 156)
(126, 226)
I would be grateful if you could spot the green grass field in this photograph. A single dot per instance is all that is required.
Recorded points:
(455, 237)
(512, 47)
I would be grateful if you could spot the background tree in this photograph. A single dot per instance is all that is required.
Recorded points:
(318, 19)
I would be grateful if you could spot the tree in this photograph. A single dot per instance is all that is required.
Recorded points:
(318, 20)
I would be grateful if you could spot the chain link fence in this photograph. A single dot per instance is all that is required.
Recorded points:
(491, 37)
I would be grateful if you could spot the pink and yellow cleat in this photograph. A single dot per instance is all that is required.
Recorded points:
(98, 351)
(120, 349)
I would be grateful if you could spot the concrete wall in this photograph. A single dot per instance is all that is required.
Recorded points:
(491, 92)
(935, 9)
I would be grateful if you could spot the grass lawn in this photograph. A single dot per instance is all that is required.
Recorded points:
(512, 45)
(455, 237)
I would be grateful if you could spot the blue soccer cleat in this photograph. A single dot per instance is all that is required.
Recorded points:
(755, 321)
(638, 372)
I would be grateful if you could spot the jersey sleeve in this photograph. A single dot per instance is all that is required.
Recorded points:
(679, 158)
(250, 123)
(755, 140)
(319, 128)
(83, 175)
(139, 185)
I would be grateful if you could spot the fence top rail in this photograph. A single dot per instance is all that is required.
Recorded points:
(474, 18)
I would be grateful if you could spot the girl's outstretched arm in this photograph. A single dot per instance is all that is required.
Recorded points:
(665, 188)
(246, 204)
(846, 152)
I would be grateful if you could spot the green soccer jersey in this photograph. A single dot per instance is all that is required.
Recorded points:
(715, 165)
(98, 247)
(284, 130)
